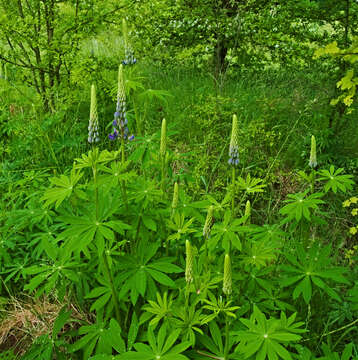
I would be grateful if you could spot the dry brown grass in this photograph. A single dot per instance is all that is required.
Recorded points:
(24, 321)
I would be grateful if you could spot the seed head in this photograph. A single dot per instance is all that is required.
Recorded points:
(234, 143)
(208, 222)
(163, 139)
(313, 156)
(189, 264)
(93, 135)
(227, 282)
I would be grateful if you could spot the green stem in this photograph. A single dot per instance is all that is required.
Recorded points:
(52, 151)
(209, 355)
(334, 331)
(206, 263)
(123, 185)
(187, 296)
(94, 170)
(137, 118)
(105, 259)
(313, 178)
(233, 191)
(163, 175)
(227, 334)
(111, 282)
(227, 337)
(167, 247)
(134, 244)
(122, 150)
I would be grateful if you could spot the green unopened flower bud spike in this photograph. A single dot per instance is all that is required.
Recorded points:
(227, 290)
(227, 281)
(234, 157)
(313, 156)
(208, 222)
(206, 233)
(93, 134)
(248, 212)
(189, 263)
(163, 152)
(313, 161)
(163, 139)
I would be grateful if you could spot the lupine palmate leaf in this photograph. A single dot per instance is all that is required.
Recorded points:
(267, 338)
(150, 272)
(161, 346)
(301, 205)
(62, 188)
(250, 185)
(335, 181)
(309, 267)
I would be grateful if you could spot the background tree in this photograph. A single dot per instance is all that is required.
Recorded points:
(42, 37)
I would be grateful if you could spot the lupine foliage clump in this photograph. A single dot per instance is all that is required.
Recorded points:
(162, 275)
(188, 241)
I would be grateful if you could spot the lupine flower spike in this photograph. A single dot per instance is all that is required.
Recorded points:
(208, 222)
(248, 211)
(129, 54)
(175, 197)
(163, 139)
(189, 263)
(120, 122)
(164, 157)
(93, 135)
(227, 282)
(234, 143)
(313, 156)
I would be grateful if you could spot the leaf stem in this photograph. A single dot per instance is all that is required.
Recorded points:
(209, 355)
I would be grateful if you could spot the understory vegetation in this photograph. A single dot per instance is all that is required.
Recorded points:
(178, 180)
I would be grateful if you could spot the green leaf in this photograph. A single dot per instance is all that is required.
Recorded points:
(149, 223)
(133, 331)
(63, 188)
(161, 278)
(60, 321)
(164, 266)
(280, 350)
(141, 281)
(114, 334)
(101, 302)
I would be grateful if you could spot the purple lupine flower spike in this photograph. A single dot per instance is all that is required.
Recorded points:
(234, 147)
(129, 54)
(120, 122)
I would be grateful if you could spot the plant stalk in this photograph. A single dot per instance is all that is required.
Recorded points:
(233, 191)
(105, 259)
